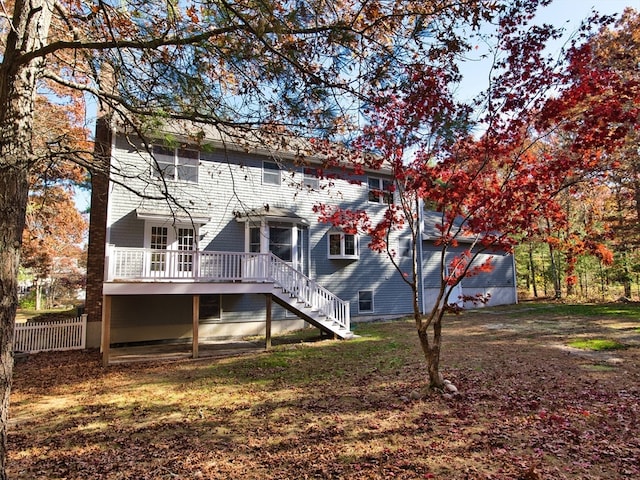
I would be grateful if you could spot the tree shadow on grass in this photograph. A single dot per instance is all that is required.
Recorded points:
(334, 410)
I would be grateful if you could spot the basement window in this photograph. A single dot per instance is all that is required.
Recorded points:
(209, 308)
(365, 301)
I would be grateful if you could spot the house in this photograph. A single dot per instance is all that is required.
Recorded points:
(239, 250)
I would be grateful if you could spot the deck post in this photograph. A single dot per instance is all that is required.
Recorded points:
(268, 326)
(196, 323)
(106, 329)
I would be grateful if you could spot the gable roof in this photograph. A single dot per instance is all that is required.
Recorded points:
(268, 213)
(431, 218)
(269, 142)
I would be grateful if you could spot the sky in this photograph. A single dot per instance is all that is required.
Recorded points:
(566, 13)
(571, 12)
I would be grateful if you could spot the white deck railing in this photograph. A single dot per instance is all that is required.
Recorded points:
(32, 337)
(309, 292)
(145, 264)
(148, 265)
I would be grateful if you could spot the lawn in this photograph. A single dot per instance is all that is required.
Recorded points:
(530, 406)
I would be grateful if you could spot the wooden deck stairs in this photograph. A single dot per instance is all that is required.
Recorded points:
(305, 298)
(310, 314)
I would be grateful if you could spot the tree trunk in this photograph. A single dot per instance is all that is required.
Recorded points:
(18, 79)
(38, 295)
(532, 269)
(431, 350)
(555, 274)
(627, 277)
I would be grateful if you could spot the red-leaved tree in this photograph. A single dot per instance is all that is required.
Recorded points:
(477, 166)
(598, 112)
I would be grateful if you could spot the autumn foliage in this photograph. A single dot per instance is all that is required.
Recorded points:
(487, 168)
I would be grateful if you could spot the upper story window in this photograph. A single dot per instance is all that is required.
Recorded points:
(271, 173)
(380, 190)
(180, 164)
(405, 247)
(343, 245)
(311, 178)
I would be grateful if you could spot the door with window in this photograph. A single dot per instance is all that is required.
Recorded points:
(455, 297)
(171, 250)
(285, 240)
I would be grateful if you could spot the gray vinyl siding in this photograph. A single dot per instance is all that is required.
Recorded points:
(230, 182)
(501, 274)
(127, 231)
(372, 271)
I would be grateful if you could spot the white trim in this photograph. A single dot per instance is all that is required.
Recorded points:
(274, 219)
(184, 288)
(271, 214)
(164, 217)
(420, 250)
(271, 172)
(342, 255)
(380, 199)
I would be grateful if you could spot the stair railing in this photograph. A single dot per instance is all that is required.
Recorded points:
(308, 292)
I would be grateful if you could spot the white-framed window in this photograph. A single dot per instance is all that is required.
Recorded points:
(404, 247)
(343, 245)
(271, 173)
(380, 190)
(365, 301)
(177, 164)
(311, 178)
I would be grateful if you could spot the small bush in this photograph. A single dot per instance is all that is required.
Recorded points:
(28, 302)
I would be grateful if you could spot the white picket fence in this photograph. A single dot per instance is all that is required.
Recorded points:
(32, 337)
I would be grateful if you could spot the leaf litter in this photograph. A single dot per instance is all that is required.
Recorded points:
(331, 410)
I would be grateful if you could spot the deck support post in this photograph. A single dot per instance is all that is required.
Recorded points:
(106, 329)
(268, 326)
(196, 323)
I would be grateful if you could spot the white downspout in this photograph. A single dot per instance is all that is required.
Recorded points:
(420, 254)
(515, 276)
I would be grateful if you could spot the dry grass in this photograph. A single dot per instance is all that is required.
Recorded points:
(530, 407)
